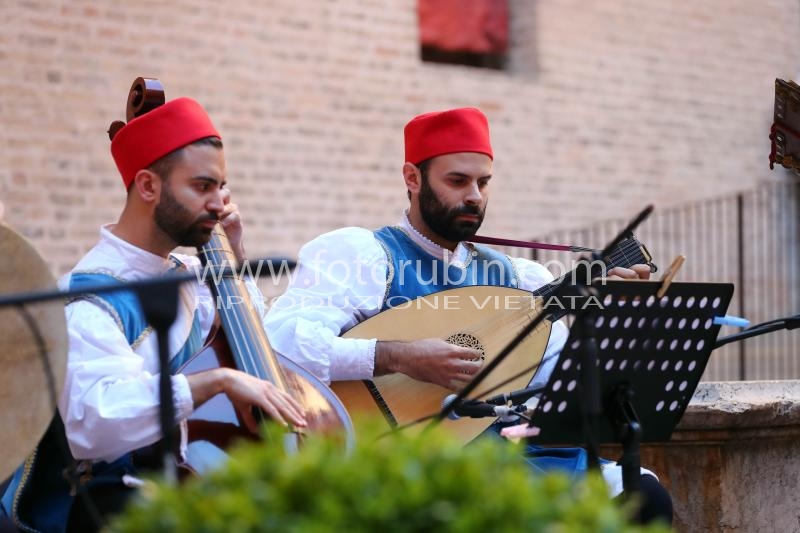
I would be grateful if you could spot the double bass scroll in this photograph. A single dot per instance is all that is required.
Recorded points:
(145, 95)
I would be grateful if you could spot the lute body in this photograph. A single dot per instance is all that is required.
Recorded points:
(482, 317)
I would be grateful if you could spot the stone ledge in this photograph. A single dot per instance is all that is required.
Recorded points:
(746, 405)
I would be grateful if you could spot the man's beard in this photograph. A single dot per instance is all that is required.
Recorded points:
(176, 221)
(442, 219)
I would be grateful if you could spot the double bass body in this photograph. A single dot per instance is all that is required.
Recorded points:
(241, 343)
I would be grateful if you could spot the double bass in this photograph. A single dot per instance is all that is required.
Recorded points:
(239, 342)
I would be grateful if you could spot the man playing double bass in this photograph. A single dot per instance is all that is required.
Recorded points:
(172, 164)
(349, 275)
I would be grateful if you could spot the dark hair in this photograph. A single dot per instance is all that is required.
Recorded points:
(163, 166)
(423, 168)
(423, 172)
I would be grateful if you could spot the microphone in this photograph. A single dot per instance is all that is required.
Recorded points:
(514, 397)
(476, 409)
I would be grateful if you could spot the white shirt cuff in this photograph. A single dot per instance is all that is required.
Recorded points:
(355, 359)
(182, 397)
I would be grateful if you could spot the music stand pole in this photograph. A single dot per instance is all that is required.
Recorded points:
(160, 308)
(623, 417)
(590, 379)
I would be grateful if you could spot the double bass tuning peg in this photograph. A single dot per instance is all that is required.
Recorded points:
(145, 95)
(114, 128)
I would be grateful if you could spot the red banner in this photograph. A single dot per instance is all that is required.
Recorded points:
(475, 26)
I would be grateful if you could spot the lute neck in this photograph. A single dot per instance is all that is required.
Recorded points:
(629, 252)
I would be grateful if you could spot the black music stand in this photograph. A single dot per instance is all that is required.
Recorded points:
(651, 353)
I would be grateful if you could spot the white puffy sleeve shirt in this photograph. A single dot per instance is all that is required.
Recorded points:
(340, 281)
(110, 400)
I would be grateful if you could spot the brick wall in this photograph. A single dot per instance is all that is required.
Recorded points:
(606, 105)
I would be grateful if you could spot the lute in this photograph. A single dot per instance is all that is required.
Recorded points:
(482, 317)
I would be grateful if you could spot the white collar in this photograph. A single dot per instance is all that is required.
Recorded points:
(460, 257)
(142, 260)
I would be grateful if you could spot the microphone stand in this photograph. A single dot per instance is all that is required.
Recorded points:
(791, 322)
(101, 288)
(158, 298)
(590, 378)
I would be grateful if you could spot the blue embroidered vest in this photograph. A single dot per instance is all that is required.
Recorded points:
(414, 273)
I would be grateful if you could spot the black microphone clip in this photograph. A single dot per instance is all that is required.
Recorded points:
(476, 409)
(514, 397)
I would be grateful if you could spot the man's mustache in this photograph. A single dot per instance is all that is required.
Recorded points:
(211, 217)
(467, 210)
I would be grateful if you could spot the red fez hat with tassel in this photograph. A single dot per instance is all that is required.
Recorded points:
(149, 137)
(446, 132)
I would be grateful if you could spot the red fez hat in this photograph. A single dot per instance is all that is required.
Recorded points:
(447, 132)
(149, 137)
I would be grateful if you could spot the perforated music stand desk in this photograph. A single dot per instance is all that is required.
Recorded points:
(651, 353)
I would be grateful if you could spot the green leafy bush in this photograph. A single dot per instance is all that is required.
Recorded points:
(389, 484)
